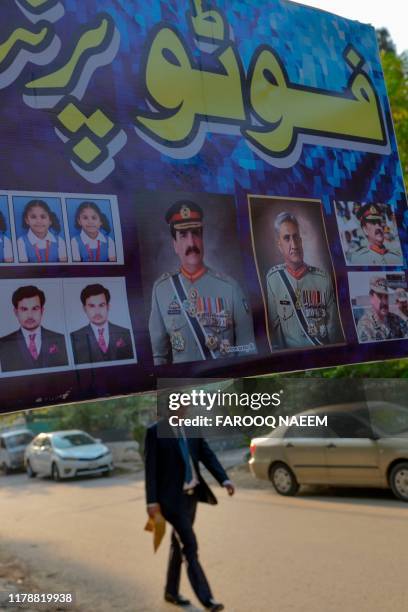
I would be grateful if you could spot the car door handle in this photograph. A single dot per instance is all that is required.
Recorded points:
(331, 445)
(289, 445)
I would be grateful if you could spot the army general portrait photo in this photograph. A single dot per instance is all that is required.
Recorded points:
(368, 234)
(192, 268)
(295, 272)
(379, 302)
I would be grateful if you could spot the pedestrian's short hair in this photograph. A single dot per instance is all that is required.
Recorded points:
(29, 291)
(96, 289)
(284, 217)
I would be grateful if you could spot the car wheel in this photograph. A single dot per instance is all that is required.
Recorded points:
(283, 479)
(399, 481)
(30, 471)
(55, 475)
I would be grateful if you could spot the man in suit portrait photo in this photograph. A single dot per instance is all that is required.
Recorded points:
(32, 346)
(100, 340)
(174, 486)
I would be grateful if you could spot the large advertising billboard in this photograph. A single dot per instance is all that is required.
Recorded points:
(192, 189)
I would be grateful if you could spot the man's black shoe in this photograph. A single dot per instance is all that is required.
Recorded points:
(177, 600)
(214, 606)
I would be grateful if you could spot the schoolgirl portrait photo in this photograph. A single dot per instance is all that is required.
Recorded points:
(6, 249)
(39, 229)
(91, 228)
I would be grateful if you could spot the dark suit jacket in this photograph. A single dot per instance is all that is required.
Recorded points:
(14, 354)
(87, 350)
(165, 468)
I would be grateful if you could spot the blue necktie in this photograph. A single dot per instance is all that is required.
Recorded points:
(186, 456)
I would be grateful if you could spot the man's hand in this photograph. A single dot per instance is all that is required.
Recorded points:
(229, 486)
(153, 509)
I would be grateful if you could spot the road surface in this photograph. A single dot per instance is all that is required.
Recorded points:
(321, 551)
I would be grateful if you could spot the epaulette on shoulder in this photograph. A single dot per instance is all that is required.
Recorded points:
(219, 275)
(275, 269)
(317, 271)
(162, 278)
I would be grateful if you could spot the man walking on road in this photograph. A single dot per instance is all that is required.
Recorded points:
(174, 485)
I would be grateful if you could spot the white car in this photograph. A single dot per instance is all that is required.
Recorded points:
(65, 454)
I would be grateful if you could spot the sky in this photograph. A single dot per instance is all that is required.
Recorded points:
(387, 14)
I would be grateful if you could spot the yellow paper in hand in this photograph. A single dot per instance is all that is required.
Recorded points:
(158, 526)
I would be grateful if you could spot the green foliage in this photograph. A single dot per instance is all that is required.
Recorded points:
(131, 413)
(384, 40)
(397, 88)
(395, 68)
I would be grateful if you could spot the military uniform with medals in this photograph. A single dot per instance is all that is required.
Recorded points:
(302, 308)
(198, 316)
(374, 255)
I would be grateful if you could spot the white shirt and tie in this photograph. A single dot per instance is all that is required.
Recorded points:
(33, 340)
(101, 333)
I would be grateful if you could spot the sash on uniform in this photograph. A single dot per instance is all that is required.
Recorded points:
(298, 311)
(195, 326)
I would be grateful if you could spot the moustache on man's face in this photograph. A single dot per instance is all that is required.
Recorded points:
(193, 249)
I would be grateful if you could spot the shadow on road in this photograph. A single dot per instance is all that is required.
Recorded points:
(19, 483)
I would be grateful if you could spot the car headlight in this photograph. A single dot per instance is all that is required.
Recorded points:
(67, 458)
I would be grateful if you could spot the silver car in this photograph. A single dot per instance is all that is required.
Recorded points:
(12, 447)
(65, 454)
(363, 445)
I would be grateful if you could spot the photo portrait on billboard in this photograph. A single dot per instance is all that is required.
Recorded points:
(295, 273)
(191, 266)
(94, 228)
(368, 234)
(379, 301)
(97, 317)
(6, 247)
(32, 326)
(40, 229)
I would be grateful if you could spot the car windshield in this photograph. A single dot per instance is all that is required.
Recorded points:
(70, 440)
(389, 419)
(21, 439)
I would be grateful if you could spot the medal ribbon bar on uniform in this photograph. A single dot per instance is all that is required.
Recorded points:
(298, 311)
(199, 332)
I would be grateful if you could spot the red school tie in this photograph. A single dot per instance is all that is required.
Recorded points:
(31, 346)
(101, 341)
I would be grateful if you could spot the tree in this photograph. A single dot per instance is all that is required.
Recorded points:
(395, 68)
(384, 40)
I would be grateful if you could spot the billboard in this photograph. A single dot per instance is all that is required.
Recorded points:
(192, 189)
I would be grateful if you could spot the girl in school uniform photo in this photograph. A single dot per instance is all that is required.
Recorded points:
(6, 250)
(92, 243)
(40, 241)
